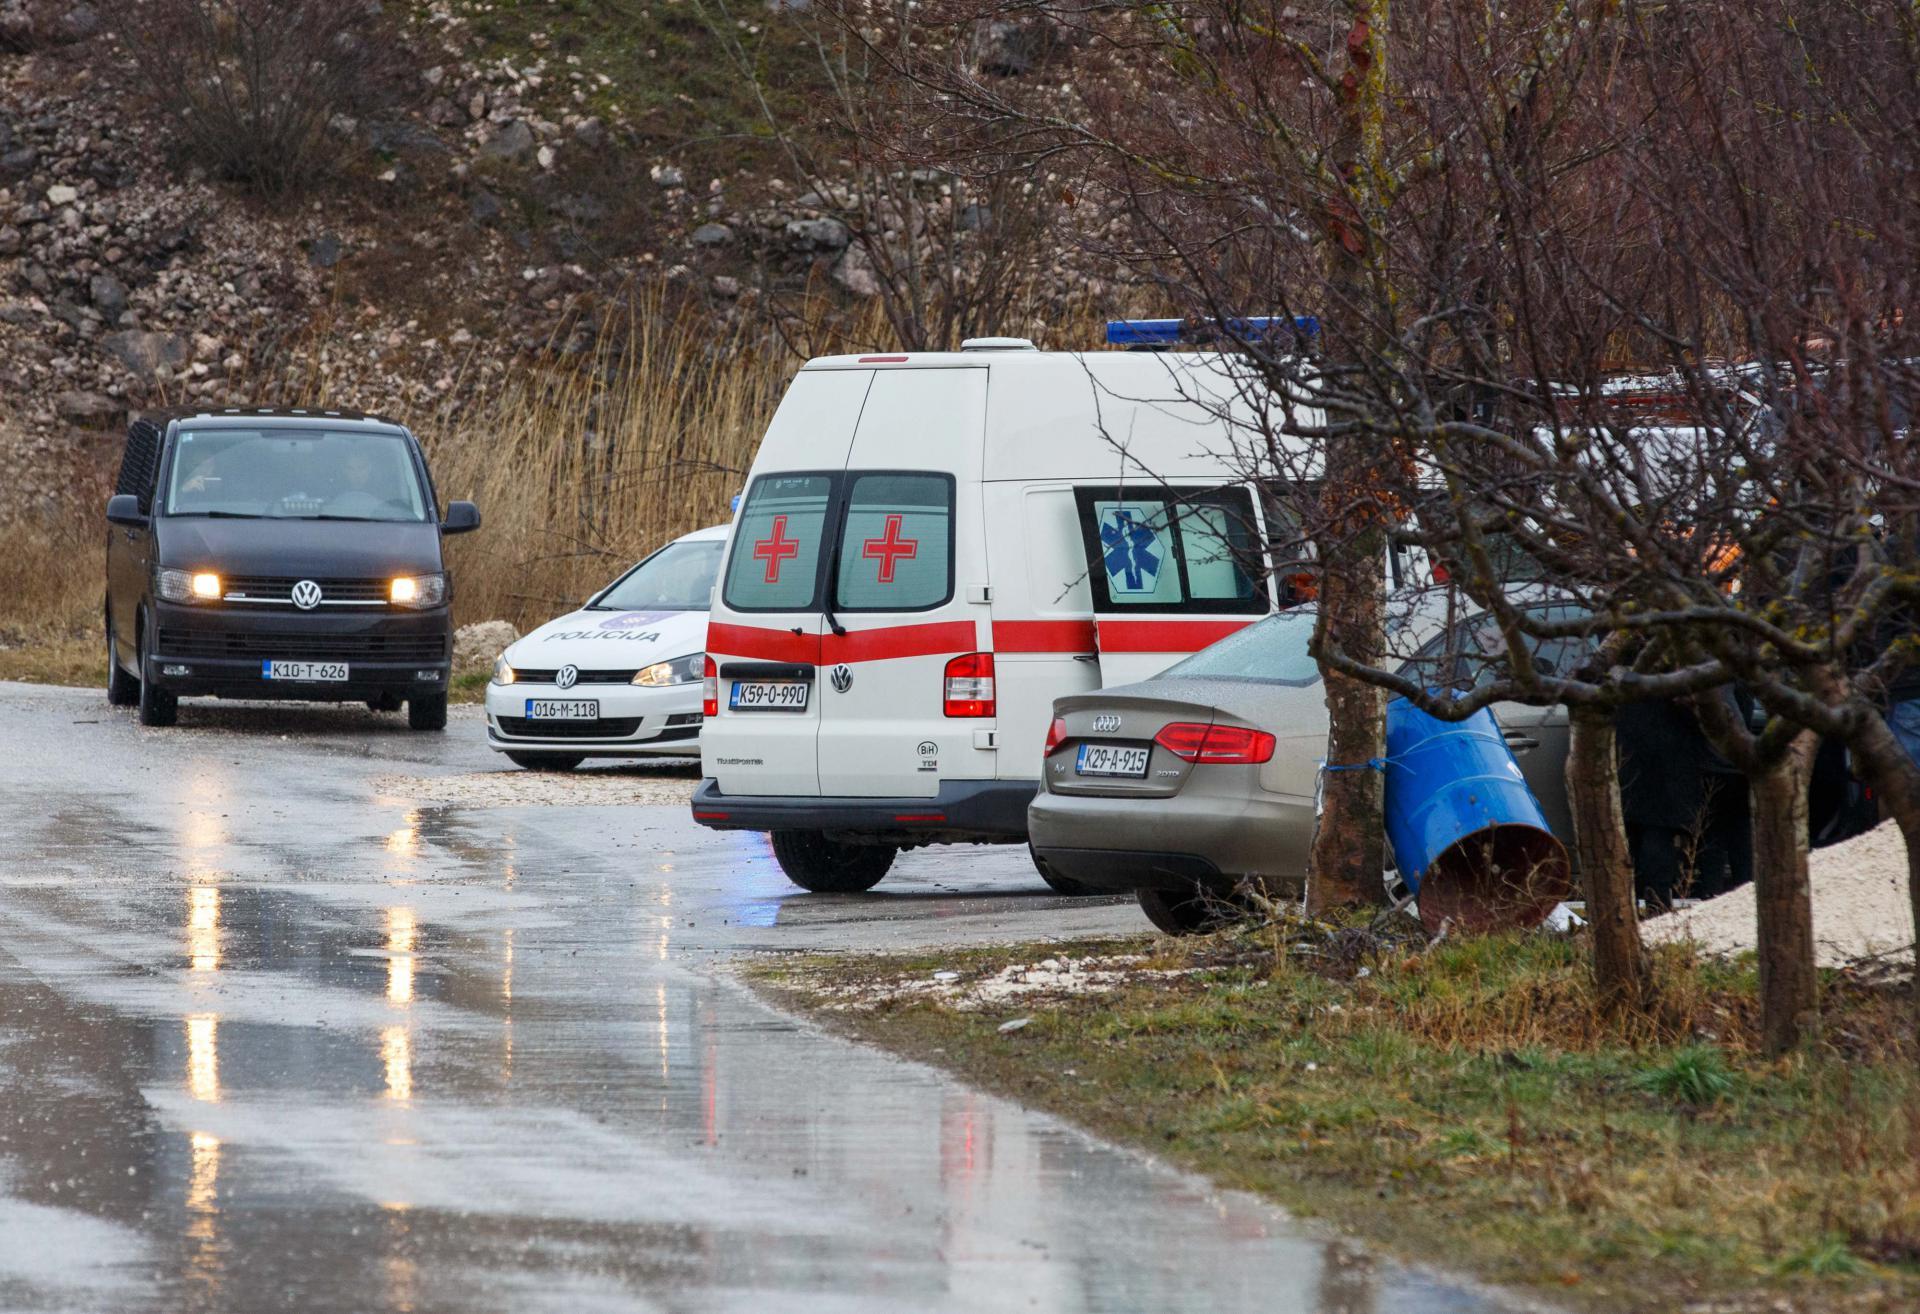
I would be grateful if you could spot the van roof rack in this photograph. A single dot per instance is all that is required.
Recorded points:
(1159, 334)
(998, 344)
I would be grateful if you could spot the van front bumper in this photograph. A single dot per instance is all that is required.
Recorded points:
(963, 812)
(221, 652)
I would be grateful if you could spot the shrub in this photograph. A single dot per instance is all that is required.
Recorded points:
(251, 89)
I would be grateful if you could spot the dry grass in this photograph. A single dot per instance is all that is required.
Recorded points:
(52, 568)
(1470, 1103)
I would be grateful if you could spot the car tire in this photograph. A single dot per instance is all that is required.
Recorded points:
(427, 712)
(1060, 884)
(157, 706)
(123, 690)
(547, 761)
(828, 866)
(1194, 911)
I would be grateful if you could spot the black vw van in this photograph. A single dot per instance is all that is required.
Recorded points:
(278, 554)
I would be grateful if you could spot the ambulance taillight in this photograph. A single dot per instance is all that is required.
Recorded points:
(969, 685)
(710, 699)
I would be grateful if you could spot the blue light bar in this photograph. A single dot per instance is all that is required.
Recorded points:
(1175, 332)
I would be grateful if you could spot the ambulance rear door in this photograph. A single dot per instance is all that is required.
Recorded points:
(764, 633)
(1171, 569)
(907, 545)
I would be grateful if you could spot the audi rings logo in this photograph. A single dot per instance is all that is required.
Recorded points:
(567, 676)
(842, 678)
(306, 595)
(1106, 724)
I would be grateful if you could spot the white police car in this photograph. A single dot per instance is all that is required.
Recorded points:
(621, 677)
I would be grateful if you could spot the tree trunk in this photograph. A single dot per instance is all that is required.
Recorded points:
(1896, 781)
(1620, 971)
(1348, 852)
(1789, 987)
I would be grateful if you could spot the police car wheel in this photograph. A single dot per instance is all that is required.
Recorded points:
(1189, 912)
(427, 712)
(1060, 884)
(547, 761)
(827, 866)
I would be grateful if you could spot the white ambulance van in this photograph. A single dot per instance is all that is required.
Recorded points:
(931, 548)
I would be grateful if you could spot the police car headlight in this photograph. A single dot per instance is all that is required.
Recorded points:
(681, 670)
(503, 673)
(418, 591)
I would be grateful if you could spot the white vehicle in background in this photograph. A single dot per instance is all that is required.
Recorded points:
(618, 678)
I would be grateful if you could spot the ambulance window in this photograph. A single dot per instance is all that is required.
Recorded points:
(1173, 550)
(776, 547)
(1217, 545)
(896, 549)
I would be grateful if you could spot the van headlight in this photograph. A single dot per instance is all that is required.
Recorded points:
(418, 591)
(503, 673)
(187, 586)
(681, 670)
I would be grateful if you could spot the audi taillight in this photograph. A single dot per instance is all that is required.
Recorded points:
(969, 685)
(710, 699)
(1192, 742)
(1056, 736)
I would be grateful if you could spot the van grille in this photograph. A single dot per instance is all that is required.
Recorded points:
(304, 647)
(277, 590)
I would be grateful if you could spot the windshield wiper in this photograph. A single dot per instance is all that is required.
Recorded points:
(220, 515)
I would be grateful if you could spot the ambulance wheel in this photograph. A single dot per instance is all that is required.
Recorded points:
(547, 761)
(827, 866)
(1189, 912)
(1061, 884)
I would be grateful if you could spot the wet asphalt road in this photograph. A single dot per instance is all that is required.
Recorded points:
(273, 1039)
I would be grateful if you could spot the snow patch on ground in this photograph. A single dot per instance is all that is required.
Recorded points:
(1017, 982)
(514, 788)
(64, 1255)
(1861, 908)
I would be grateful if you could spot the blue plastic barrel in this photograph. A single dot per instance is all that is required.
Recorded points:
(1468, 835)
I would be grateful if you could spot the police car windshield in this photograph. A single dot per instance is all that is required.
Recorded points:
(679, 577)
(295, 474)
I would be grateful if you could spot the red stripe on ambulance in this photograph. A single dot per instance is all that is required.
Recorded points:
(751, 641)
(763, 644)
(1043, 636)
(1167, 635)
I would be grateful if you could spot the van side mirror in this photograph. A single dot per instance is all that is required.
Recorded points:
(124, 509)
(462, 518)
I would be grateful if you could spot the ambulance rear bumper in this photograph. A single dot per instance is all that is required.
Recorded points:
(963, 812)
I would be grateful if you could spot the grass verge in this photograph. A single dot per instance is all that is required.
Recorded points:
(1465, 1104)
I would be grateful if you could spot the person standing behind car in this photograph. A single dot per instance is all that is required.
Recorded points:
(1686, 808)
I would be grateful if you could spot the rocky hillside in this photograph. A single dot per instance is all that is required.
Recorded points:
(542, 163)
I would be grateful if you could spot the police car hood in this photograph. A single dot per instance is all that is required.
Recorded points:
(611, 640)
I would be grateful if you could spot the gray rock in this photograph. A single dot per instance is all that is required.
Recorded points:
(9, 240)
(581, 208)
(1010, 48)
(325, 252)
(592, 134)
(668, 176)
(712, 235)
(89, 410)
(818, 234)
(975, 217)
(109, 295)
(854, 272)
(18, 163)
(143, 353)
(400, 137)
(513, 143)
(484, 208)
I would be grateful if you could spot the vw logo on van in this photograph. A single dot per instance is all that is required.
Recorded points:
(842, 678)
(306, 595)
(567, 676)
(1106, 724)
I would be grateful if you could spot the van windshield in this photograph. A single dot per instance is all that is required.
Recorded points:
(295, 474)
(679, 577)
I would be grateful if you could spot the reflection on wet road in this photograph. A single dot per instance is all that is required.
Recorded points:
(271, 1039)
